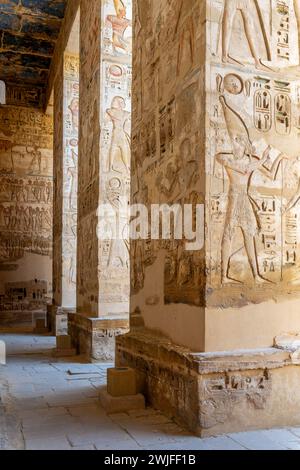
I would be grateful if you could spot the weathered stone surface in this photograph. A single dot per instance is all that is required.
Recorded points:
(26, 198)
(295, 357)
(232, 66)
(213, 393)
(66, 110)
(95, 338)
(104, 176)
(288, 342)
(63, 342)
(121, 382)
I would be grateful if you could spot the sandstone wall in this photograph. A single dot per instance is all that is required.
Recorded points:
(26, 196)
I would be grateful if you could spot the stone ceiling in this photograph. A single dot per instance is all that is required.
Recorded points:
(28, 33)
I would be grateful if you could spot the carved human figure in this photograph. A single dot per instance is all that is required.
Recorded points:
(119, 24)
(36, 160)
(239, 165)
(296, 197)
(73, 174)
(74, 108)
(246, 8)
(120, 142)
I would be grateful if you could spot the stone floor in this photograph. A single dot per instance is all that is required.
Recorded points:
(53, 404)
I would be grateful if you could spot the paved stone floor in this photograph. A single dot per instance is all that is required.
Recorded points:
(53, 404)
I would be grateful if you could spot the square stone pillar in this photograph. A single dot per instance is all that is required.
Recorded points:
(104, 176)
(66, 115)
(216, 108)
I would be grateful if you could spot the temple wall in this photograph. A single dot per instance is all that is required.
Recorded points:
(26, 194)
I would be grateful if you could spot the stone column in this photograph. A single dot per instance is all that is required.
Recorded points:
(104, 178)
(66, 117)
(216, 103)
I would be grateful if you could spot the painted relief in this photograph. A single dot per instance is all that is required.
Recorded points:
(115, 117)
(26, 198)
(88, 158)
(252, 156)
(104, 156)
(70, 178)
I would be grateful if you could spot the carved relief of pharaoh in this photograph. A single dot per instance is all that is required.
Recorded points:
(120, 141)
(241, 213)
(246, 8)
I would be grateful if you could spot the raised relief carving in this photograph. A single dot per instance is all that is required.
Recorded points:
(247, 9)
(26, 197)
(119, 24)
(252, 156)
(221, 394)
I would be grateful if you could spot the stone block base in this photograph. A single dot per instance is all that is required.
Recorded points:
(41, 331)
(95, 337)
(214, 393)
(57, 320)
(114, 405)
(40, 327)
(121, 382)
(64, 353)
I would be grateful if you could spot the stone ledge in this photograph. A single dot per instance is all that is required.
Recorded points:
(94, 324)
(214, 393)
(160, 347)
(95, 337)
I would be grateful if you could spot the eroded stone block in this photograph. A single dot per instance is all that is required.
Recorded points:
(288, 342)
(113, 405)
(121, 382)
(63, 342)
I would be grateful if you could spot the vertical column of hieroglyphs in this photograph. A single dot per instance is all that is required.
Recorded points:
(115, 118)
(88, 158)
(253, 167)
(25, 208)
(104, 160)
(168, 141)
(58, 154)
(70, 180)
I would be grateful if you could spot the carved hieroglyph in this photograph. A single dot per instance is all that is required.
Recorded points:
(26, 195)
(66, 172)
(252, 158)
(70, 182)
(104, 159)
(168, 139)
(244, 150)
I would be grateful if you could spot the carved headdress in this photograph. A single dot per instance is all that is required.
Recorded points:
(235, 125)
(119, 6)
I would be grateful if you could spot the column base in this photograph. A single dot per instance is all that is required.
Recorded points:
(95, 337)
(214, 393)
(114, 405)
(57, 320)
